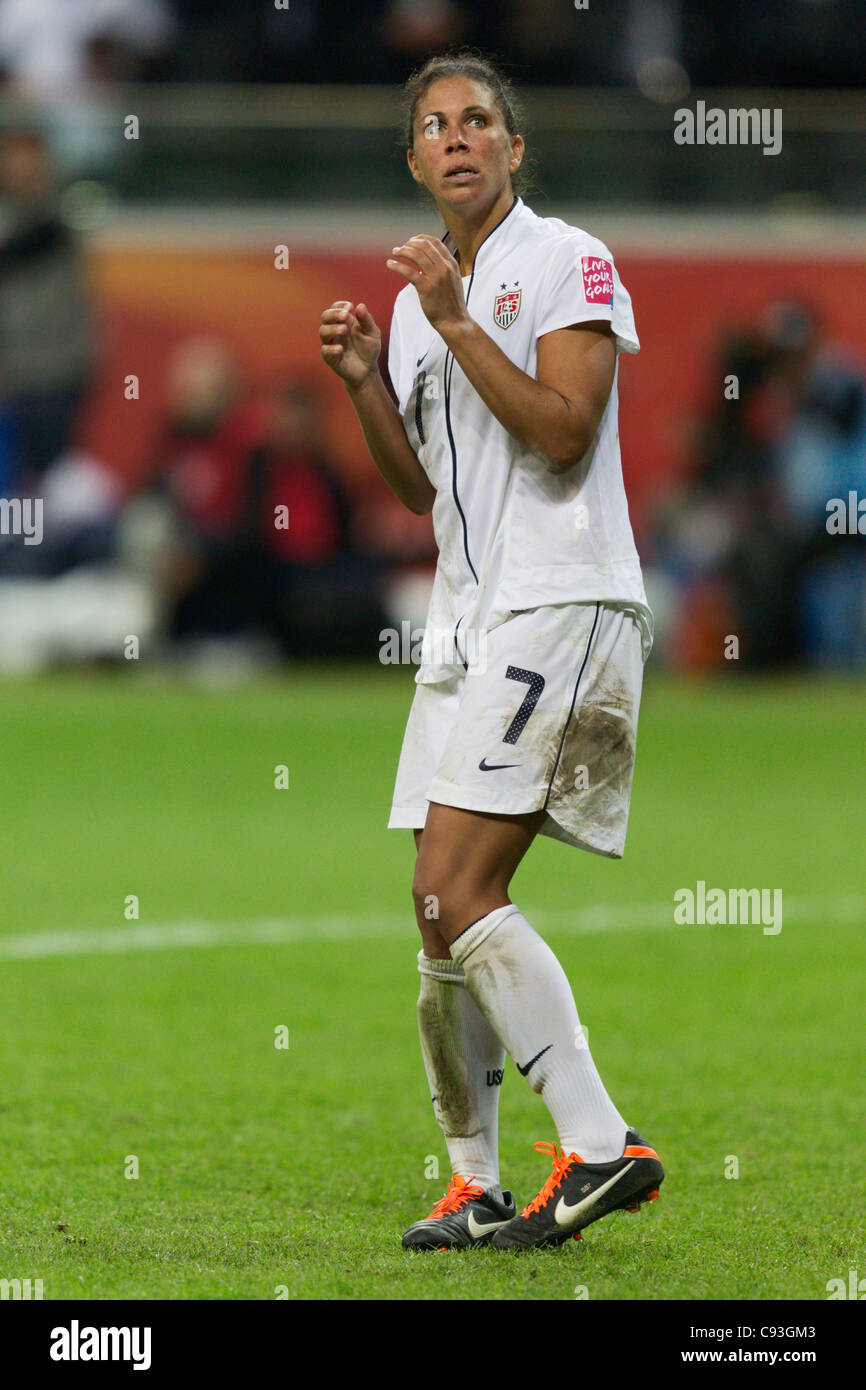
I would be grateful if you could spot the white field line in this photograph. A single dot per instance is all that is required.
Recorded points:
(287, 930)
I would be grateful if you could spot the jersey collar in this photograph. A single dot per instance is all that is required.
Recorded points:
(491, 235)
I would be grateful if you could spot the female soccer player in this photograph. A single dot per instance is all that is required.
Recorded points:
(503, 358)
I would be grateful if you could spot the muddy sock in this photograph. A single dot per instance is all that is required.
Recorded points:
(463, 1059)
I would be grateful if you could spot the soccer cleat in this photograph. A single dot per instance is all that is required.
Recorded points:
(466, 1215)
(578, 1193)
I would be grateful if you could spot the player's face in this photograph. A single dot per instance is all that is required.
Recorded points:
(463, 154)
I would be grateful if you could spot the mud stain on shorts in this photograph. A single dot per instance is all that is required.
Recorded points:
(600, 738)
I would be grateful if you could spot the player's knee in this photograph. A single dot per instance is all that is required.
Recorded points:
(427, 908)
(451, 891)
(437, 899)
(439, 921)
(435, 916)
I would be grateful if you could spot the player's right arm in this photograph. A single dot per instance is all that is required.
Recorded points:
(351, 344)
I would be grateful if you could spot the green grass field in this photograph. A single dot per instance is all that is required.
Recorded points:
(259, 908)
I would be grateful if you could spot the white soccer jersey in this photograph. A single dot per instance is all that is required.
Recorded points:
(511, 533)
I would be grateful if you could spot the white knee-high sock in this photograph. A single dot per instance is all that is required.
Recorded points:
(522, 990)
(463, 1059)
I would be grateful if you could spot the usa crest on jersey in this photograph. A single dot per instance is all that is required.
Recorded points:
(506, 307)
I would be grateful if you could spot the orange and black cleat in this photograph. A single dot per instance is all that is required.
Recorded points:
(467, 1215)
(578, 1193)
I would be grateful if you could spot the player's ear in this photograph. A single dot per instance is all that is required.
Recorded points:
(517, 148)
(413, 166)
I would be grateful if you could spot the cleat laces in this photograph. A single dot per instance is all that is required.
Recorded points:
(561, 1165)
(459, 1193)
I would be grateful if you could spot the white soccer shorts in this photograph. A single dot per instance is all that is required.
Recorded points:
(547, 720)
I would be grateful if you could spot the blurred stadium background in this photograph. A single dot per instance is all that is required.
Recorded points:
(155, 156)
(161, 390)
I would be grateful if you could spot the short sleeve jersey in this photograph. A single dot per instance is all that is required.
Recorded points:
(511, 533)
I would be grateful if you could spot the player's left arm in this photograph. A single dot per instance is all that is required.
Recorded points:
(555, 414)
(578, 363)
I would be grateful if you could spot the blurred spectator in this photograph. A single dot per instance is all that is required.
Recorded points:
(746, 540)
(64, 60)
(382, 40)
(47, 340)
(201, 465)
(318, 596)
(261, 537)
(416, 28)
(50, 50)
(295, 482)
(210, 427)
(820, 455)
(720, 539)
